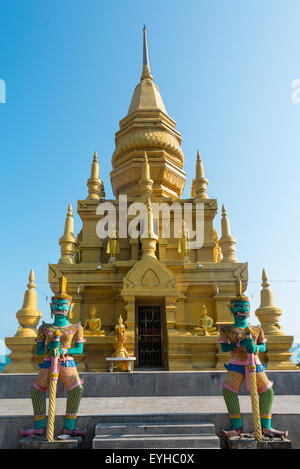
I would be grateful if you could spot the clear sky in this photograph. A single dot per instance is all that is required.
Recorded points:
(224, 70)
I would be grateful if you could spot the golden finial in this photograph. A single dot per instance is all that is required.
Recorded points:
(145, 182)
(67, 241)
(227, 241)
(200, 182)
(149, 238)
(146, 73)
(69, 223)
(31, 280)
(265, 283)
(95, 185)
(145, 168)
(70, 211)
(267, 299)
(95, 168)
(199, 167)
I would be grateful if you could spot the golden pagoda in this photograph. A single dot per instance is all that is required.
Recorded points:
(157, 283)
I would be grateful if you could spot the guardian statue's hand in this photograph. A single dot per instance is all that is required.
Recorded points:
(249, 345)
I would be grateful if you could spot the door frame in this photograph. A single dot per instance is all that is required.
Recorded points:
(142, 301)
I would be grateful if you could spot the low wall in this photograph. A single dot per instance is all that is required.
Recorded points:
(164, 383)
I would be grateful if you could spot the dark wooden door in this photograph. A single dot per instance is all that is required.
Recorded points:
(149, 333)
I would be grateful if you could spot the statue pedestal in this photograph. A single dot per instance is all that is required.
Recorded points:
(278, 354)
(251, 443)
(42, 443)
(129, 360)
(191, 352)
(95, 351)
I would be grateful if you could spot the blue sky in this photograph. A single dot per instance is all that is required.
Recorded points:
(224, 70)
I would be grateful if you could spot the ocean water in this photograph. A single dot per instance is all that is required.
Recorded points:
(4, 360)
(295, 350)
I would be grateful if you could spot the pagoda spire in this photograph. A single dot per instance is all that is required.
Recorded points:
(146, 73)
(200, 181)
(95, 185)
(147, 127)
(227, 241)
(67, 241)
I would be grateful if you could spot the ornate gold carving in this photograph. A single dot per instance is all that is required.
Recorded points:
(171, 283)
(147, 138)
(238, 273)
(150, 279)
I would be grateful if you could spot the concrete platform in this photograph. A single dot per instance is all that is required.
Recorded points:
(252, 443)
(16, 413)
(41, 443)
(149, 383)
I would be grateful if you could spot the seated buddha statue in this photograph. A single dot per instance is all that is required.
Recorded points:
(205, 324)
(92, 325)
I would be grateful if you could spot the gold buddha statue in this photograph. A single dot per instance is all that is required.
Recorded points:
(120, 338)
(183, 243)
(205, 324)
(113, 247)
(217, 250)
(93, 324)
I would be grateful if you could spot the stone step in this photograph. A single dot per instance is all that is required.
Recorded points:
(159, 441)
(17, 413)
(137, 428)
(152, 431)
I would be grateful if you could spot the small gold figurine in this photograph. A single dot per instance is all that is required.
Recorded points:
(217, 250)
(120, 339)
(183, 243)
(205, 324)
(113, 247)
(92, 325)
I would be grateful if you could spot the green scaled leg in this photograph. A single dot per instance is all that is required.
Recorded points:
(233, 407)
(73, 401)
(265, 407)
(39, 407)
